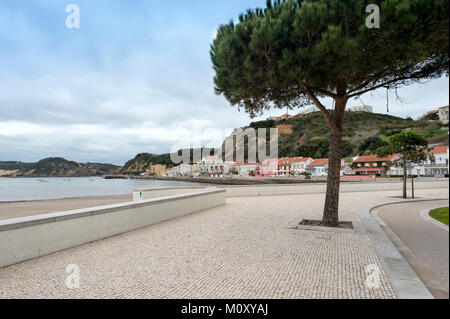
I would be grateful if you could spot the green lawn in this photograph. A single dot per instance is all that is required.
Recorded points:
(440, 214)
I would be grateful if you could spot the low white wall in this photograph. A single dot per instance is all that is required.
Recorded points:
(142, 193)
(30, 237)
(291, 189)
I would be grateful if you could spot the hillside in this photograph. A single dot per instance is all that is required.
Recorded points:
(56, 167)
(142, 161)
(308, 136)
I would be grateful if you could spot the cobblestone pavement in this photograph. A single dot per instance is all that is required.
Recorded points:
(241, 250)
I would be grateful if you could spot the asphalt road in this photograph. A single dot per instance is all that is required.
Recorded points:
(427, 244)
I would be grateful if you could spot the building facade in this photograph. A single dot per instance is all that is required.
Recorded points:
(437, 163)
(246, 169)
(155, 170)
(373, 164)
(269, 167)
(443, 114)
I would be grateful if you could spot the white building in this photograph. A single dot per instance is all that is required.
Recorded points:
(443, 114)
(184, 169)
(245, 169)
(437, 163)
(361, 108)
(299, 164)
(214, 166)
(172, 172)
(319, 167)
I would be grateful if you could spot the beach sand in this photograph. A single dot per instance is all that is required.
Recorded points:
(28, 208)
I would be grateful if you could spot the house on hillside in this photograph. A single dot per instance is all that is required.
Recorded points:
(443, 114)
(437, 163)
(373, 164)
(361, 108)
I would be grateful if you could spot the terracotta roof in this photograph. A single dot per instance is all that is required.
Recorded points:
(444, 107)
(439, 150)
(432, 112)
(375, 158)
(318, 162)
(284, 161)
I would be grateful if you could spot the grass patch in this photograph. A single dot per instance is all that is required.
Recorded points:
(440, 214)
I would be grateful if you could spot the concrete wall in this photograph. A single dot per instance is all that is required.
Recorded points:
(142, 193)
(30, 237)
(292, 189)
(289, 189)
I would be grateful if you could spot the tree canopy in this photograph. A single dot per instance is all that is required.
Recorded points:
(371, 144)
(295, 50)
(411, 146)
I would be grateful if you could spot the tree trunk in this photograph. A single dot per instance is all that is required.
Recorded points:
(412, 185)
(330, 212)
(405, 178)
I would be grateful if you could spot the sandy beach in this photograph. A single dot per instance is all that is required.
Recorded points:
(28, 208)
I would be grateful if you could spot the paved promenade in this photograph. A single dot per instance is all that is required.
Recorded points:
(428, 243)
(241, 250)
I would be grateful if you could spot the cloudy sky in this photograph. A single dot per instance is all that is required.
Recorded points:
(135, 77)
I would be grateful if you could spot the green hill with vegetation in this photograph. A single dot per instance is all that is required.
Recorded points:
(56, 167)
(363, 132)
(308, 136)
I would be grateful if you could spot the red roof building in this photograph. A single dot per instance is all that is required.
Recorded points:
(373, 164)
(439, 150)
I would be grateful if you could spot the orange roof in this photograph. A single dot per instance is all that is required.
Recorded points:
(444, 107)
(432, 112)
(319, 161)
(440, 150)
(375, 158)
(284, 161)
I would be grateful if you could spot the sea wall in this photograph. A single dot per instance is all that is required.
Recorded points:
(292, 189)
(34, 236)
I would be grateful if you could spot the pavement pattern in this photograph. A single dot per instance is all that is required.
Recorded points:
(428, 242)
(240, 250)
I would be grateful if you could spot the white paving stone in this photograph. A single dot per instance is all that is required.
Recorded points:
(241, 250)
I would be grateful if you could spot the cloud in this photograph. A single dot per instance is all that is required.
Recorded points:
(132, 79)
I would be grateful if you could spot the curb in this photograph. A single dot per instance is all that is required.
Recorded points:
(425, 214)
(402, 277)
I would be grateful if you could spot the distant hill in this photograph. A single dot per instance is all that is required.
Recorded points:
(309, 136)
(56, 167)
(142, 161)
